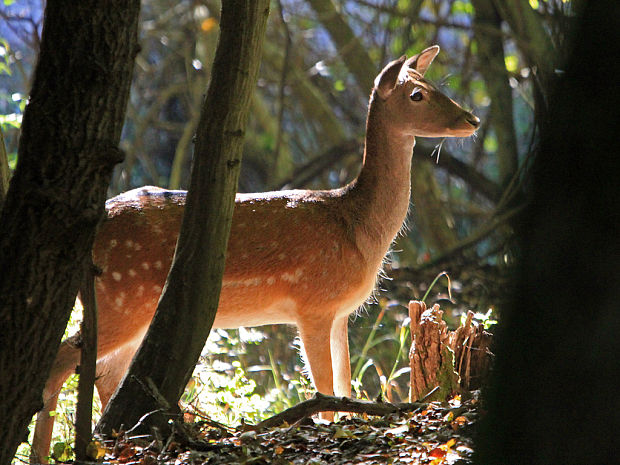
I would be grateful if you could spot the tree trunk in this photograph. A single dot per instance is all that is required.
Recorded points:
(555, 396)
(68, 148)
(170, 350)
(5, 173)
(352, 51)
(536, 45)
(493, 69)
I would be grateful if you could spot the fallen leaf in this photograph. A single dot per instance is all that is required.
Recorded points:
(437, 452)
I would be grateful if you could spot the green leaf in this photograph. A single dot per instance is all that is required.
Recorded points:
(490, 143)
(512, 63)
(461, 7)
(62, 452)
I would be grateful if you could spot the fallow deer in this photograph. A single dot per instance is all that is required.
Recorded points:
(303, 257)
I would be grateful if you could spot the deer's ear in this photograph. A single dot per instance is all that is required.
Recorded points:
(423, 60)
(388, 77)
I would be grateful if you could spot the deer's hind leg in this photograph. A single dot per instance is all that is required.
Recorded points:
(111, 369)
(67, 360)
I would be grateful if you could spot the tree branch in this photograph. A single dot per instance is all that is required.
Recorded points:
(323, 403)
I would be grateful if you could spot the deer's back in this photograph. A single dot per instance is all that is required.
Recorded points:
(288, 254)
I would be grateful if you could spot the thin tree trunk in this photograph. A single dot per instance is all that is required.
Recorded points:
(68, 148)
(88, 363)
(493, 69)
(5, 173)
(352, 51)
(170, 350)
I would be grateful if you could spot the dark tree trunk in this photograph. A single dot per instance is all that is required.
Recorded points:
(555, 398)
(172, 345)
(68, 148)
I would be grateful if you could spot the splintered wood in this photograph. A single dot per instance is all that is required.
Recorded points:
(436, 353)
(431, 359)
(472, 355)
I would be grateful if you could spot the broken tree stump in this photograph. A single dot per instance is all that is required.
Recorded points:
(430, 357)
(444, 362)
(472, 355)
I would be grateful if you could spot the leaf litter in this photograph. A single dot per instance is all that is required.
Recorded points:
(435, 434)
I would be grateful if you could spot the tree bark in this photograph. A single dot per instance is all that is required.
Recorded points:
(88, 363)
(555, 394)
(432, 375)
(68, 148)
(165, 361)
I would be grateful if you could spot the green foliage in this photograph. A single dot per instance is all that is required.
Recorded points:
(224, 386)
(490, 143)
(5, 62)
(487, 319)
(512, 63)
(460, 7)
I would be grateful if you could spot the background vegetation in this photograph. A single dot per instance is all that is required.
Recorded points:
(306, 131)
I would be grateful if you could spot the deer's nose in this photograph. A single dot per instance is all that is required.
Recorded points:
(473, 120)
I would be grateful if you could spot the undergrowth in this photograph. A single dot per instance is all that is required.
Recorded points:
(249, 374)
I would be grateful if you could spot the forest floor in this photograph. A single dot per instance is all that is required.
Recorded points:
(434, 433)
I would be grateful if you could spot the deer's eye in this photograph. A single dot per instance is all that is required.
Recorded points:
(416, 95)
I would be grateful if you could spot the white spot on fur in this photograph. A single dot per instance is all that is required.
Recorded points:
(100, 286)
(145, 265)
(157, 289)
(129, 244)
(271, 280)
(131, 272)
(113, 243)
(252, 282)
(140, 292)
(119, 301)
(116, 276)
(137, 246)
(158, 265)
(282, 256)
(293, 277)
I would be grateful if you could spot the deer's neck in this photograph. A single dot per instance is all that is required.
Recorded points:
(380, 195)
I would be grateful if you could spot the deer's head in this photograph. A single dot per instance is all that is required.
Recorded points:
(415, 106)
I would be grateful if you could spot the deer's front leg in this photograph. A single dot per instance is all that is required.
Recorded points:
(340, 356)
(315, 338)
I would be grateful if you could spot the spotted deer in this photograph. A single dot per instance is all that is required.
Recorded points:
(303, 257)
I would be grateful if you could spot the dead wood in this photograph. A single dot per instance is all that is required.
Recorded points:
(431, 358)
(323, 403)
(472, 355)
(446, 361)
